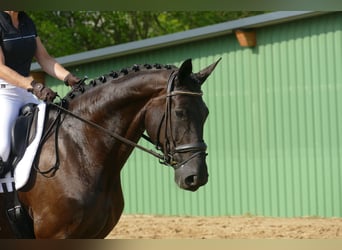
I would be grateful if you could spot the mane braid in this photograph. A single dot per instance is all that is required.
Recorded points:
(113, 75)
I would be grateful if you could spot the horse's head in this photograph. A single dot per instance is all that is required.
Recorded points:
(176, 121)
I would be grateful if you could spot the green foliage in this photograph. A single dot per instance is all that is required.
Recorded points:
(68, 32)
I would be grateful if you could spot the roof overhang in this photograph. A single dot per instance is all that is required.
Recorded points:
(182, 37)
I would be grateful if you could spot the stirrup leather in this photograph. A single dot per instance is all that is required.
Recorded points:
(3, 167)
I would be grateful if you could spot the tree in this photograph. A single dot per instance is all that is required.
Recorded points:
(68, 32)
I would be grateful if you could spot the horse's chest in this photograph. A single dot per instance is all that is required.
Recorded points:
(104, 214)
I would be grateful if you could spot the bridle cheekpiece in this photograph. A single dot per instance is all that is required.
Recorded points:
(197, 148)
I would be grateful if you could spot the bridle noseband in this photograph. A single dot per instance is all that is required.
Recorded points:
(197, 148)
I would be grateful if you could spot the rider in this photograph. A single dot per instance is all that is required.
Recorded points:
(19, 43)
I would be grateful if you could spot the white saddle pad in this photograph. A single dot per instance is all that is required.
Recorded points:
(23, 168)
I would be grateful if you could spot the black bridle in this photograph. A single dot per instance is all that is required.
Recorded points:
(170, 147)
(167, 158)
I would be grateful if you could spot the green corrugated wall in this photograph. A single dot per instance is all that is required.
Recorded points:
(274, 131)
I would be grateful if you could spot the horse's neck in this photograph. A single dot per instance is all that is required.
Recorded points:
(119, 106)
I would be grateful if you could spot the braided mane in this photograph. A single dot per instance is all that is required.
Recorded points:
(113, 75)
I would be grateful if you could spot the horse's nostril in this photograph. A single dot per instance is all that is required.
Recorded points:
(191, 180)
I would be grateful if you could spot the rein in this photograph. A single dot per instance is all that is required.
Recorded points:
(167, 157)
(114, 135)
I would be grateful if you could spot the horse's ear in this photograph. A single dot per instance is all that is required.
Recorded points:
(204, 73)
(185, 69)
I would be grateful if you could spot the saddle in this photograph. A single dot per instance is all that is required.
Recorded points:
(23, 133)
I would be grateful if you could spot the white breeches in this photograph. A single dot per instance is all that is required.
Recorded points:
(11, 100)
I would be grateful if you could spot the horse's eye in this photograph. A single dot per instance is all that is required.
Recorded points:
(180, 113)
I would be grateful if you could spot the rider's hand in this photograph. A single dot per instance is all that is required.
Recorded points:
(71, 80)
(42, 92)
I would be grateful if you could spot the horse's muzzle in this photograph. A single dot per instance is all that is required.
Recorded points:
(192, 176)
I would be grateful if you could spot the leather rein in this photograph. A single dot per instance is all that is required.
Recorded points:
(168, 155)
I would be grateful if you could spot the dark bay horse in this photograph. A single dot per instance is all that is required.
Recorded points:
(82, 198)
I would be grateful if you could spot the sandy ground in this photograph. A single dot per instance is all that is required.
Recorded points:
(248, 227)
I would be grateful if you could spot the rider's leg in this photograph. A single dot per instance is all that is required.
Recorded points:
(11, 100)
(9, 109)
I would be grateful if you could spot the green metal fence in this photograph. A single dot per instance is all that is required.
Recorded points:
(274, 131)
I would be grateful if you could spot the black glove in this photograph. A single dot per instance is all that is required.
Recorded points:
(42, 92)
(71, 80)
